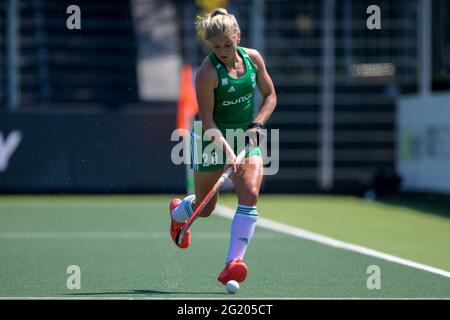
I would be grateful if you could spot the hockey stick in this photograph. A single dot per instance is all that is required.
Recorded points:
(227, 173)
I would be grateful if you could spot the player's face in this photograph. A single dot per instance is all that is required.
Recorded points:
(224, 46)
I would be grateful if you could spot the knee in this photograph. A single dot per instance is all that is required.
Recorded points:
(250, 197)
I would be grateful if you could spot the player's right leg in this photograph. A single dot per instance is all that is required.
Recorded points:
(206, 172)
(204, 181)
(175, 226)
(181, 210)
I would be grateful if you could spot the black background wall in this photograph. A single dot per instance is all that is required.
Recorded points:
(79, 152)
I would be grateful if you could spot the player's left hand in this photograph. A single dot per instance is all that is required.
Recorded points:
(255, 134)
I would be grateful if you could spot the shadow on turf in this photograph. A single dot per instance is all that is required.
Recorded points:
(141, 292)
(435, 204)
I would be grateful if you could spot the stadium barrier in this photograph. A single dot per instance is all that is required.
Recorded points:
(423, 139)
(89, 152)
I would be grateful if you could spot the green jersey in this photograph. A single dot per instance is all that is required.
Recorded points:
(234, 97)
(233, 109)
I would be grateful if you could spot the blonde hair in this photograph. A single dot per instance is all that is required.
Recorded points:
(217, 22)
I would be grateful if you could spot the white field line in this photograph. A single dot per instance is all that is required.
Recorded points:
(301, 233)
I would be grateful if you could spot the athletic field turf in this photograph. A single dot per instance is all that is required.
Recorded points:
(122, 247)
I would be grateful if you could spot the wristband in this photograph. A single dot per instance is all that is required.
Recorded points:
(255, 125)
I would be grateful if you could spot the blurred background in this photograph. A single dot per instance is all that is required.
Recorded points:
(92, 109)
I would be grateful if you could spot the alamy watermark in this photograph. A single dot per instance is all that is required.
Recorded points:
(189, 149)
(374, 280)
(74, 280)
(74, 20)
(374, 20)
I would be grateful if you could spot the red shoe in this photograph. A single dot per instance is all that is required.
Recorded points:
(234, 270)
(176, 226)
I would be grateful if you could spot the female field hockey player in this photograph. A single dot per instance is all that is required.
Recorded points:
(225, 84)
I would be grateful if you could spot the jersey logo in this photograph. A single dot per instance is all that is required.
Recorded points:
(238, 100)
(232, 89)
(224, 81)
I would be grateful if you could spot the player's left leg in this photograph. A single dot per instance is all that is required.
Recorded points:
(247, 182)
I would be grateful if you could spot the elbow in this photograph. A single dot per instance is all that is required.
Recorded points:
(273, 99)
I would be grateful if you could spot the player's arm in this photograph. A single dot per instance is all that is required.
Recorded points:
(205, 82)
(265, 86)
